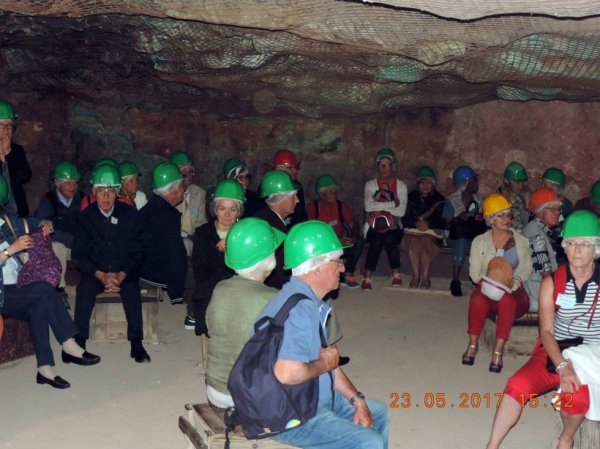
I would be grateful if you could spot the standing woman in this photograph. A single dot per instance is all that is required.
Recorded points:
(38, 303)
(208, 257)
(385, 203)
(568, 309)
(500, 241)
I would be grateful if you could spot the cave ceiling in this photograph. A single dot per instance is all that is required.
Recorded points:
(313, 58)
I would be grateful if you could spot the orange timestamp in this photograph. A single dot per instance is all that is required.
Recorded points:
(558, 400)
(440, 400)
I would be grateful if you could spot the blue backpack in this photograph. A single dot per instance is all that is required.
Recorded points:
(263, 405)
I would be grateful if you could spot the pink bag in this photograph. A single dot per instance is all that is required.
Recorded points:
(43, 265)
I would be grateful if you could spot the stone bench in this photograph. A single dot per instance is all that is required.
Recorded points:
(523, 335)
(203, 428)
(109, 324)
(15, 343)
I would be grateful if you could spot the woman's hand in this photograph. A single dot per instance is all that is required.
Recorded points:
(23, 243)
(46, 227)
(221, 245)
(569, 382)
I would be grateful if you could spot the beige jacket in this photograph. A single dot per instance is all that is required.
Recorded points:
(483, 250)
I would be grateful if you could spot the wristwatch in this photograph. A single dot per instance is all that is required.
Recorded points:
(355, 396)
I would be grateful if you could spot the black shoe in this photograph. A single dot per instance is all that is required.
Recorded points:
(468, 358)
(496, 367)
(138, 353)
(57, 382)
(343, 360)
(455, 289)
(80, 341)
(85, 360)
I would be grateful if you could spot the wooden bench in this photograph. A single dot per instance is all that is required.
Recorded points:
(15, 343)
(109, 324)
(588, 435)
(523, 335)
(203, 428)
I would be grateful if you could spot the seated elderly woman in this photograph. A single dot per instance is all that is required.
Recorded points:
(130, 184)
(499, 241)
(423, 224)
(546, 205)
(568, 316)
(37, 303)
(236, 302)
(208, 262)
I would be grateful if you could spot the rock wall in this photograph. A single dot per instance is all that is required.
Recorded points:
(487, 136)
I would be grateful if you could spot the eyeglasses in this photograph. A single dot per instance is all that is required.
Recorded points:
(244, 177)
(583, 245)
(339, 262)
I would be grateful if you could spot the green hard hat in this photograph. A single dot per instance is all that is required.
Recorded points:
(307, 240)
(515, 171)
(128, 169)
(230, 165)
(276, 181)
(385, 153)
(106, 176)
(555, 175)
(581, 223)
(325, 182)
(229, 189)
(7, 112)
(249, 241)
(181, 158)
(425, 172)
(4, 191)
(595, 193)
(164, 174)
(106, 161)
(65, 170)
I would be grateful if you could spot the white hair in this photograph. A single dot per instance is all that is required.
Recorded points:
(165, 190)
(59, 181)
(316, 262)
(488, 220)
(546, 205)
(115, 187)
(127, 178)
(256, 271)
(594, 240)
(277, 198)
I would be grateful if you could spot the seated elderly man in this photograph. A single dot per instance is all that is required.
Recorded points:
(165, 261)
(236, 302)
(108, 250)
(130, 184)
(344, 418)
(328, 209)
(546, 205)
(279, 192)
(62, 206)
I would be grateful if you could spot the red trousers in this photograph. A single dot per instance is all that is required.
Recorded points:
(511, 306)
(533, 379)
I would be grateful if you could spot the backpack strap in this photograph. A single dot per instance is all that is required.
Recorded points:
(559, 277)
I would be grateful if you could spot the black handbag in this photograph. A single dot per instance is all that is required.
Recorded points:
(562, 345)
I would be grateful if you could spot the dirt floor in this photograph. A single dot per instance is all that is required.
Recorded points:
(403, 343)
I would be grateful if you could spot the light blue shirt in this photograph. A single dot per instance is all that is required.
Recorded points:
(301, 339)
(63, 199)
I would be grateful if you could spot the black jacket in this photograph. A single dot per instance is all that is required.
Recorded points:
(110, 244)
(20, 173)
(279, 276)
(299, 214)
(165, 258)
(417, 205)
(64, 219)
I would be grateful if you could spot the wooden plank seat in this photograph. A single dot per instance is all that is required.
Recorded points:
(588, 435)
(15, 343)
(108, 322)
(203, 428)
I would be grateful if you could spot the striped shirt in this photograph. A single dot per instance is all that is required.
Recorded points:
(583, 319)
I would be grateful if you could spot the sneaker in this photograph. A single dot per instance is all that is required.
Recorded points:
(455, 289)
(190, 323)
(366, 284)
(396, 281)
(349, 281)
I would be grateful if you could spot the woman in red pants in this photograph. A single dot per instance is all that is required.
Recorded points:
(568, 309)
(499, 241)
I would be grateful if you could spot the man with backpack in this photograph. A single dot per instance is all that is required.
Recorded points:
(329, 209)
(340, 416)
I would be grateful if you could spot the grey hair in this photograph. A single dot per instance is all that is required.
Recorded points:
(256, 271)
(546, 205)
(127, 178)
(115, 187)
(277, 198)
(215, 202)
(162, 191)
(594, 240)
(488, 220)
(315, 262)
(58, 182)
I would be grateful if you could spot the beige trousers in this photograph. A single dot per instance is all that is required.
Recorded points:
(64, 254)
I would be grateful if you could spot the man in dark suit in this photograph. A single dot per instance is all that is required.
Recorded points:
(279, 192)
(108, 248)
(286, 160)
(13, 162)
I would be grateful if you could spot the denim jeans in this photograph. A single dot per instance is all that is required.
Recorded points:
(39, 304)
(460, 249)
(334, 429)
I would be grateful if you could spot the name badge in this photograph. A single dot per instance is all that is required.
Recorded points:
(565, 301)
(113, 220)
(500, 252)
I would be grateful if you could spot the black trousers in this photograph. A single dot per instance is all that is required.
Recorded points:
(377, 241)
(87, 290)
